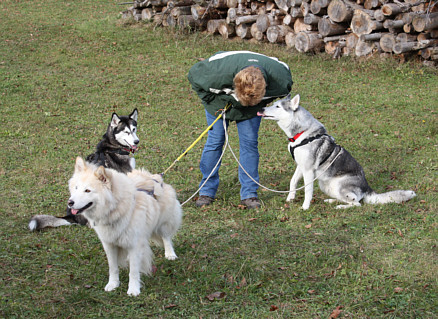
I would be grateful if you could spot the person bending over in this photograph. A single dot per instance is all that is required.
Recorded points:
(247, 81)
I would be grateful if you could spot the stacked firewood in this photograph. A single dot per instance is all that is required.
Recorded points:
(338, 27)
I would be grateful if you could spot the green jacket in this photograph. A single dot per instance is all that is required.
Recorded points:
(212, 80)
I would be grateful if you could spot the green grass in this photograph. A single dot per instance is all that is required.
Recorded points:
(66, 66)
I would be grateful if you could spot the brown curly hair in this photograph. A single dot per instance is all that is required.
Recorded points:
(250, 86)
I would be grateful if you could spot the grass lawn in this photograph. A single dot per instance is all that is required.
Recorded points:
(65, 66)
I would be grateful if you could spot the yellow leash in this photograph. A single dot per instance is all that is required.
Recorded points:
(199, 138)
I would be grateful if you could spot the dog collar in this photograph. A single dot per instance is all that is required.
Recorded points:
(293, 139)
(304, 142)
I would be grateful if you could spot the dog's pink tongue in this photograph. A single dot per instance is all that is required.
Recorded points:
(74, 211)
(260, 114)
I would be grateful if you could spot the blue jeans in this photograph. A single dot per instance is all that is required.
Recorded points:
(249, 156)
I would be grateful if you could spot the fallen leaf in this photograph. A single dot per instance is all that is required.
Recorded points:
(336, 312)
(252, 219)
(308, 226)
(243, 283)
(234, 235)
(170, 306)
(273, 308)
(311, 291)
(216, 295)
(398, 289)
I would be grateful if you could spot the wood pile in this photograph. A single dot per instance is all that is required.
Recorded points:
(338, 27)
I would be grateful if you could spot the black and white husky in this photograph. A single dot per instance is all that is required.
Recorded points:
(318, 157)
(113, 151)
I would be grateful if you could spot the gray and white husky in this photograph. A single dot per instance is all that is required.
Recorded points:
(113, 151)
(318, 157)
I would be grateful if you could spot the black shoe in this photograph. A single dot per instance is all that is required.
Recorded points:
(204, 201)
(251, 203)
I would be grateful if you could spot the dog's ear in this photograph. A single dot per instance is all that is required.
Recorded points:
(115, 120)
(295, 103)
(80, 164)
(134, 115)
(102, 175)
(158, 188)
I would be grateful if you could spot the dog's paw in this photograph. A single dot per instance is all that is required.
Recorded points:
(306, 206)
(112, 285)
(171, 257)
(290, 197)
(330, 201)
(133, 291)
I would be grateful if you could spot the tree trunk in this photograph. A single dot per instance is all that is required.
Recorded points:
(387, 42)
(362, 23)
(427, 53)
(232, 3)
(379, 16)
(371, 4)
(326, 27)
(277, 33)
(316, 8)
(243, 31)
(197, 11)
(334, 47)
(300, 26)
(282, 5)
(393, 25)
(246, 19)
(187, 22)
(311, 19)
(264, 21)
(290, 39)
(364, 48)
(425, 22)
(178, 11)
(256, 33)
(147, 14)
(219, 3)
(226, 30)
(296, 13)
(351, 41)
(213, 25)
(308, 41)
(338, 11)
(404, 37)
(288, 19)
(371, 37)
(391, 9)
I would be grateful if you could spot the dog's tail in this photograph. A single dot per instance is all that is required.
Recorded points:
(39, 222)
(398, 196)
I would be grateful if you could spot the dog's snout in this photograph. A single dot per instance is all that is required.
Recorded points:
(70, 203)
(136, 142)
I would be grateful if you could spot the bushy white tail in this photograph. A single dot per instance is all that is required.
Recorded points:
(42, 221)
(398, 196)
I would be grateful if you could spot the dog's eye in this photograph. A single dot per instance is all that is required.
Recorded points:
(87, 191)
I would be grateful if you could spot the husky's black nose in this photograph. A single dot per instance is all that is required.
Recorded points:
(70, 203)
(136, 142)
